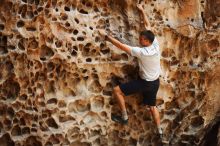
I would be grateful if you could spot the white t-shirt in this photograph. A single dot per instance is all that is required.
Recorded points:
(148, 60)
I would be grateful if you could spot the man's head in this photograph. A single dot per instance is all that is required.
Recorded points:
(146, 38)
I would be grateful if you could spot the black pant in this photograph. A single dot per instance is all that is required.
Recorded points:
(147, 88)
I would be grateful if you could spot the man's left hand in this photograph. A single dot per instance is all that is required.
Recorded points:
(102, 32)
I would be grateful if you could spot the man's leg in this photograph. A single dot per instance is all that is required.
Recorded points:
(156, 116)
(120, 98)
(124, 90)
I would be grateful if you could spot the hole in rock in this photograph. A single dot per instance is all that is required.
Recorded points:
(23, 11)
(66, 8)
(75, 32)
(16, 131)
(76, 20)
(80, 38)
(52, 101)
(54, 3)
(30, 1)
(79, 106)
(10, 112)
(97, 103)
(73, 39)
(213, 45)
(96, 9)
(47, 12)
(65, 118)
(67, 24)
(15, 121)
(54, 19)
(124, 57)
(84, 32)
(54, 139)
(91, 117)
(95, 76)
(20, 45)
(7, 124)
(3, 40)
(31, 28)
(23, 97)
(74, 53)
(33, 130)
(89, 4)
(102, 45)
(40, 9)
(84, 70)
(86, 78)
(105, 51)
(52, 123)
(10, 89)
(107, 92)
(33, 141)
(95, 86)
(88, 60)
(97, 39)
(49, 40)
(3, 50)
(30, 14)
(83, 11)
(46, 53)
(50, 66)
(2, 109)
(61, 103)
(78, 143)
(48, 143)
(2, 26)
(33, 44)
(64, 16)
(6, 140)
(197, 121)
(58, 44)
(22, 121)
(37, 2)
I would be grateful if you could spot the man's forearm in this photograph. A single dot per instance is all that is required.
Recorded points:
(118, 44)
(146, 21)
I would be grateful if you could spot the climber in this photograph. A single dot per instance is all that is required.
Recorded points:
(149, 70)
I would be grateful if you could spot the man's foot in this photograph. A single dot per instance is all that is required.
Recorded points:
(160, 132)
(119, 119)
(161, 136)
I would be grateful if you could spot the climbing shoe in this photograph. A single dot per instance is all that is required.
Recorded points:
(119, 119)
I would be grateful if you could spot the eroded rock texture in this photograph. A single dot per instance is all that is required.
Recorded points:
(57, 73)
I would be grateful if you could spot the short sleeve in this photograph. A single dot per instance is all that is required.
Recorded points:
(136, 51)
(153, 49)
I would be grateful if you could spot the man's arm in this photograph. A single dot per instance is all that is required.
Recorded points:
(115, 42)
(118, 44)
(146, 21)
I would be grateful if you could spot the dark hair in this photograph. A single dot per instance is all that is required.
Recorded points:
(147, 34)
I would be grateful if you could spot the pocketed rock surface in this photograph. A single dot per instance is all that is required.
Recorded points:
(57, 73)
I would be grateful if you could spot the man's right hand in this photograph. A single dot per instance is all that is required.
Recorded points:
(139, 6)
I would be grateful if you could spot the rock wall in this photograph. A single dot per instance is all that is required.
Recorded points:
(57, 73)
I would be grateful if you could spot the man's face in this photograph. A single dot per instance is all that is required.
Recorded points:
(144, 42)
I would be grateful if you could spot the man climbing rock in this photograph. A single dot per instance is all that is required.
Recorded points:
(148, 56)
